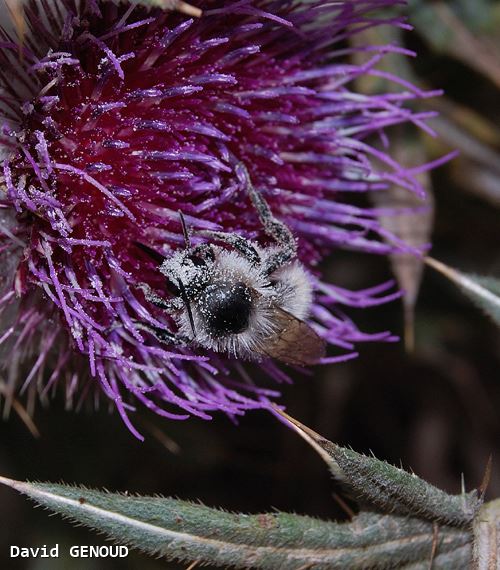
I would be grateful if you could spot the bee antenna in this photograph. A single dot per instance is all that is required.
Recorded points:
(184, 296)
(149, 251)
(185, 232)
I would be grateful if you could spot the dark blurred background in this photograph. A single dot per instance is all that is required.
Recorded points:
(435, 410)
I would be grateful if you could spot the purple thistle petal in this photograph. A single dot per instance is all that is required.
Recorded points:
(118, 117)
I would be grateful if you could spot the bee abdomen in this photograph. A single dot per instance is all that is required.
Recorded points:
(226, 308)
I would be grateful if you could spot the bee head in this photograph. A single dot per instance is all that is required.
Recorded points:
(192, 267)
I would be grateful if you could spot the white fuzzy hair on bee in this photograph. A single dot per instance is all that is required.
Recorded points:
(240, 298)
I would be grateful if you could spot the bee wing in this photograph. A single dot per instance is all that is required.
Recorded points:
(295, 343)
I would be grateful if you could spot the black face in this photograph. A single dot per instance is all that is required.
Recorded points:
(226, 308)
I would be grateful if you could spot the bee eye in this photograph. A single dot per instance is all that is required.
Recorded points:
(172, 288)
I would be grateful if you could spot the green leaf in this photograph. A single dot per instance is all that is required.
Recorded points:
(193, 532)
(375, 482)
(482, 291)
(458, 559)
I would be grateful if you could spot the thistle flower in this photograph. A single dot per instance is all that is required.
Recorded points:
(117, 118)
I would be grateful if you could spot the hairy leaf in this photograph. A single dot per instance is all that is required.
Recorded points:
(458, 559)
(375, 482)
(190, 532)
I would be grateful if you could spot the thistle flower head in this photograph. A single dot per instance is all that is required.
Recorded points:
(117, 118)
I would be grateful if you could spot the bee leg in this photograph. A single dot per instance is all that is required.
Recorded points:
(203, 248)
(169, 306)
(170, 338)
(239, 243)
(164, 335)
(278, 259)
(279, 231)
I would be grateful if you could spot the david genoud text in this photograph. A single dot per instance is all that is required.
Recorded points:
(77, 551)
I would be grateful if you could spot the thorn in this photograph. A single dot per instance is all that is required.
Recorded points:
(10, 482)
(320, 444)
(25, 418)
(462, 483)
(435, 537)
(162, 438)
(344, 506)
(183, 7)
(298, 426)
(20, 411)
(193, 565)
(449, 272)
(486, 478)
